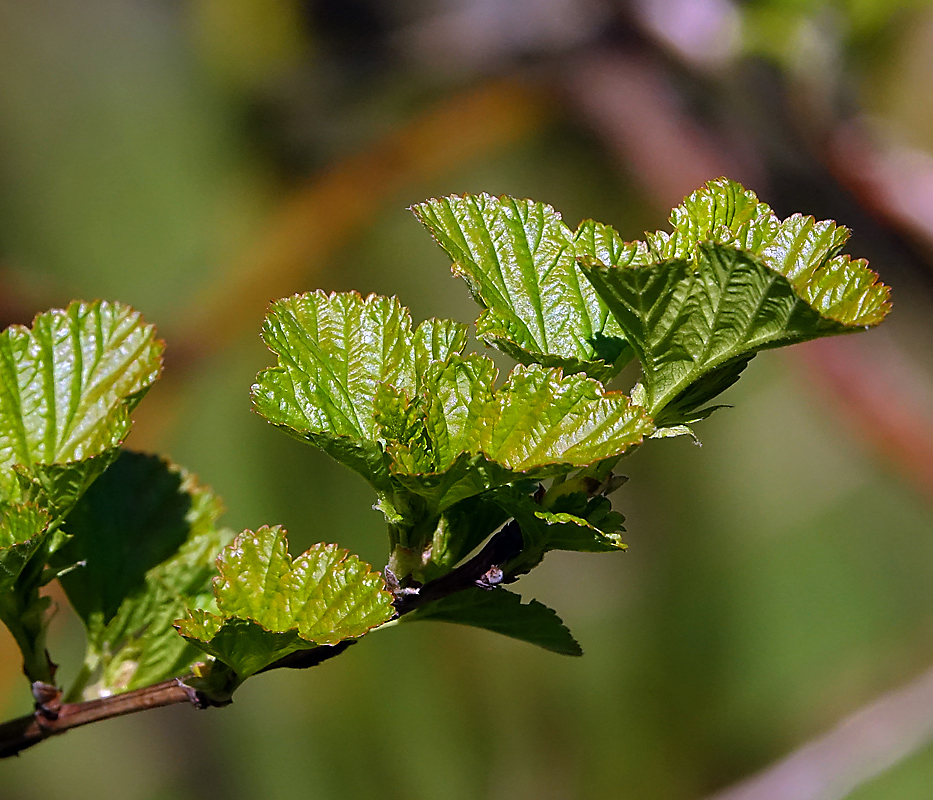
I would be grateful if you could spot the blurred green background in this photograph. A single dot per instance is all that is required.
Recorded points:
(198, 158)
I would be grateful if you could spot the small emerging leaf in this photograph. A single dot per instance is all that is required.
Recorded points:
(518, 258)
(270, 605)
(502, 612)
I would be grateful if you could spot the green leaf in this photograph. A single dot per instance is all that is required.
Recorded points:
(24, 534)
(518, 258)
(140, 645)
(244, 646)
(142, 545)
(731, 280)
(801, 249)
(544, 531)
(687, 407)
(502, 612)
(67, 386)
(22, 530)
(334, 352)
(722, 211)
(576, 523)
(539, 423)
(596, 241)
(270, 606)
(583, 524)
(563, 531)
(466, 524)
(136, 516)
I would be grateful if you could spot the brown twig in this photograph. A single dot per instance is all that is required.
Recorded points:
(52, 717)
(499, 550)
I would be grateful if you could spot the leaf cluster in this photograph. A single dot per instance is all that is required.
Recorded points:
(478, 475)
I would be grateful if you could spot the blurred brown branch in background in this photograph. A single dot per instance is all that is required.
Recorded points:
(315, 220)
(318, 218)
(670, 116)
(883, 398)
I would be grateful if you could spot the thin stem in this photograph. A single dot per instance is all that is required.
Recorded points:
(26, 622)
(500, 549)
(80, 683)
(52, 717)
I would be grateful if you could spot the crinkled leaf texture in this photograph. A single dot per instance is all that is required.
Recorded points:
(519, 260)
(67, 386)
(502, 611)
(731, 280)
(143, 541)
(270, 605)
(539, 423)
(334, 351)
(425, 424)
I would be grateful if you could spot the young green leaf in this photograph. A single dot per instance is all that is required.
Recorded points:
(603, 243)
(67, 386)
(24, 534)
(539, 423)
(730, 281)
(465, 525)
(270, 605)
(722, 211)
(502, 612)
(334, 352)
(543, 531)
(142, 546)
(518, 258)
(140, 645)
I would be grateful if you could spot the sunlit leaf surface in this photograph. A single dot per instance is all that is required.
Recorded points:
(67, 386)
(519, 260)
(538, 423)
(333, 352)
(731, 280)
(270, 605)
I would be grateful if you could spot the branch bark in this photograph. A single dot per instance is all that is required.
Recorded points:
(483, 570)
(52, 717)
